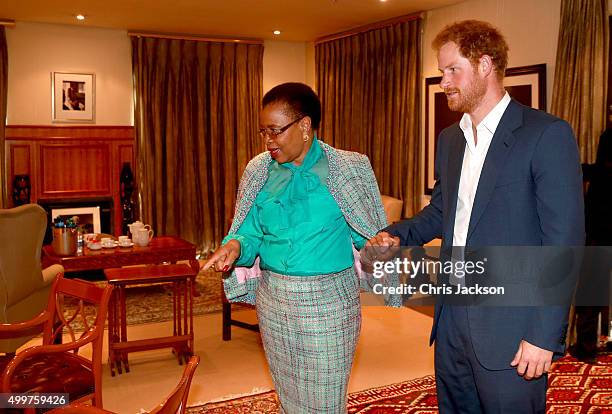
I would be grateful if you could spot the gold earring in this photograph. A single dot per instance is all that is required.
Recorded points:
(305, 137)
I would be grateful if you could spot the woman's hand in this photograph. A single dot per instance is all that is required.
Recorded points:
(381, 247)
(224, 257)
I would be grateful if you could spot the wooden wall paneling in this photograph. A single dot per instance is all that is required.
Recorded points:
(71, 162)
(69, 132)
(18, 162)
(36, 178)
(75, 169)
(20, 159)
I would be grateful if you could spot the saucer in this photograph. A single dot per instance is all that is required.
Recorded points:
(94, 246)
(130, 244)
(110, 246)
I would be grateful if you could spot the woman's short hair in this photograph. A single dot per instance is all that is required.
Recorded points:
(476, 38)
(299, 98)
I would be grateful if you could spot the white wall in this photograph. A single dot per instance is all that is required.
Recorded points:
(310, 64)
(35, 50)
(283, 62)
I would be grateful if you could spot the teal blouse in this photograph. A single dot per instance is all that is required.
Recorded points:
(295, 225)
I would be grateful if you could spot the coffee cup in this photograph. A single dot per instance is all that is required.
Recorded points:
(89, 237)
(107, 241)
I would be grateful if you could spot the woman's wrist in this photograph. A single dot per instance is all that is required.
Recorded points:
(234, 244)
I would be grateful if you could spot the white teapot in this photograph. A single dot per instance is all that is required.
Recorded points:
(142, 236)
(137, 225)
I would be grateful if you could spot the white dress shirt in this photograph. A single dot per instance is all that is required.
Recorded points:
(473, 160)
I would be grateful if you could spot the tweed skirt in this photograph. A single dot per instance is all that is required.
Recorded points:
(310, 326)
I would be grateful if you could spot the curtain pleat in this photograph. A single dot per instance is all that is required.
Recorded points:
(581, 73)
(369, 85)
(4, 181)
(197, 107)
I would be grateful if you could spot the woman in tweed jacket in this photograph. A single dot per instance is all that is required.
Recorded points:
(302, 208)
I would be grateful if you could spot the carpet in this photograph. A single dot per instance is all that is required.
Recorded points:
(153, 303)
(574, 388)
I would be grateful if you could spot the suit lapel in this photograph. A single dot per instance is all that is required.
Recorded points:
(501, 144)
(455, 161)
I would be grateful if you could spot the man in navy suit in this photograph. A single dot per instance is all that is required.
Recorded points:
(506, 175)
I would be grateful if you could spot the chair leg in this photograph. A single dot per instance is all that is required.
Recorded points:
(227, 321)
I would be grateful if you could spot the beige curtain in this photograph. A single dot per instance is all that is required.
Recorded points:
(369, 85)
(196, 118)
(4, 181)
(581, 74)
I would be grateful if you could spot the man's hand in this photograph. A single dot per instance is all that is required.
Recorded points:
(380, 247)
(530, 361)
(224, 257)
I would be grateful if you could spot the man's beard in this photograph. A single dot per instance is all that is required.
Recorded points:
(467, 100)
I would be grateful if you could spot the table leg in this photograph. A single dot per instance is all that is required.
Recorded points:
(226, 309)
(185, 292)
(124, 355)
(191, 282)
(185, 286)
(174, 310)
(179, 297)
(180, 302)
(111, 332)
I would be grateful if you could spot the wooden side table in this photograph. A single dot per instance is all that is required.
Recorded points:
(182, 277)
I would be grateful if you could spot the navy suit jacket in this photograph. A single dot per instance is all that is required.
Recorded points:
(529, 194)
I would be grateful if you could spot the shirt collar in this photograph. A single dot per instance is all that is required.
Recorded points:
(490, 121)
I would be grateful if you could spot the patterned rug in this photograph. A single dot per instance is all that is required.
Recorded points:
(577, 388)
(153, 303)
(574, 388)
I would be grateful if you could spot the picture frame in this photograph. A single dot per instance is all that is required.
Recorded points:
(526, 84)
(73, 97)
(89, 217)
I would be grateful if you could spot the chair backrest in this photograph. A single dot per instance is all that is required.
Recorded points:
(80, 309)
(175, 403)
(22, 230)
(78, 374)
(78, 306)
(177, 400)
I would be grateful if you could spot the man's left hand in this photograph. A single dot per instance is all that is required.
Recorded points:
(531, 361)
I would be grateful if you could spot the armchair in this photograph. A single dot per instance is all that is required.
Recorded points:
(60, 368)
(393, 208)
(24, 288)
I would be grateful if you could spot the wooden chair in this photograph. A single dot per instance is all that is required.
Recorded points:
(59, 368)
(176, 403)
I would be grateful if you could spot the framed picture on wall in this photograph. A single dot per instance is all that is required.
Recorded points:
(73, 97)
(526, 84)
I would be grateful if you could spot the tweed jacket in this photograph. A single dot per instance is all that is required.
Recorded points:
(353, 186)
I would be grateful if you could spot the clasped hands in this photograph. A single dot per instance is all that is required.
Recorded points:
(381, 247)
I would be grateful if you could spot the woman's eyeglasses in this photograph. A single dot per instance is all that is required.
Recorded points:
(274, 132)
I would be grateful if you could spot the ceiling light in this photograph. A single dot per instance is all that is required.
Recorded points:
(277, 32)
(80, 17)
